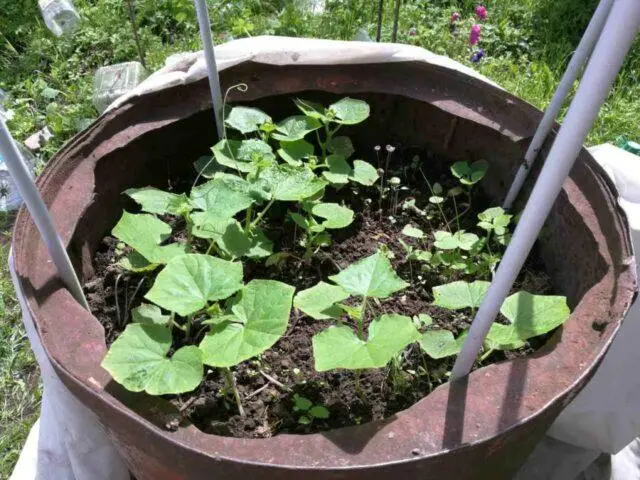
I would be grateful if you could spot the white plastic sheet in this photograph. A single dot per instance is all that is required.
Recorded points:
(71, 445)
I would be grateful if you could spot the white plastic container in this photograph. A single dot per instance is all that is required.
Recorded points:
(60, 16)
(9, 197)
(113, 81)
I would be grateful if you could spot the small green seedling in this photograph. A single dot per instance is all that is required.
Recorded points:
(339, 346)
(332, 215)
(308, 411)
(528, 315)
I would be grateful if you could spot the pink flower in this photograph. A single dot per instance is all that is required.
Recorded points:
(481, 12)
(474, 35)
(455, 16)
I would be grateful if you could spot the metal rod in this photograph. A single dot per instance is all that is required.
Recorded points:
(39, 213)
(580, 56)
(614, 43)
(210, 58)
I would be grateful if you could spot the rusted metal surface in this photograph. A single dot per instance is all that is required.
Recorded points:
(482, 428)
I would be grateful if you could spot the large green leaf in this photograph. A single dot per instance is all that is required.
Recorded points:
(335, 215)
(319, 301)
(260, 317)
(138, 361)
(339, 170)
(294, 152)
(153, 200)
(210, 226)
(206, 166)
(290, 183)
(225, 195)
(530, 315)
(363, 173)
(439, 344)
(459, 295)
(246, 120)
(295, 128)
(350, 111)
(341, 146)
(189, 281)
(340, 347)
(144, 233)
(148, 314)
(256, 151)
(226, 153)
(372, 276)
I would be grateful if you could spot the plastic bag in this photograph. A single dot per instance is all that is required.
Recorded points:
(9, 197)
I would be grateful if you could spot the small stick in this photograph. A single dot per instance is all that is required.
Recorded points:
(132, 19)
(117, 301)
(187, 404)
(260, 390)
(274, 381)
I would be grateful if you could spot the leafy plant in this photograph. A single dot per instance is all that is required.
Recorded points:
(528, 315)
(339, 346)
(308, 411)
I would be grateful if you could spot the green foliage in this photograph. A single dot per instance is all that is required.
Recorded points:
(152, 200)
(470, 174)
(439, 344)
(148, 314)
(144, 233)
(460, 239)
(320, 301)
(413, 232)
(296, 128)
(349, 111)
(188, 282)
(246, 120)
(459, 295)
(138, 361)
(340, 347)
(529, 316)
(370, 277)
(256, 318)
(309, 412)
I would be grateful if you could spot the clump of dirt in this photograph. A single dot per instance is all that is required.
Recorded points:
(267, 384)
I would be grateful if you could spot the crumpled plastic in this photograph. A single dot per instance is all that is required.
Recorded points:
(68, 443)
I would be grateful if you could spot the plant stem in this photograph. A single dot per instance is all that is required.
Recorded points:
(134, 27)
(173, 323)
(455, 208)
(363, 311)
(262, 213)
(358, 388)
(247, 219)
(486, 354)
(231, 383)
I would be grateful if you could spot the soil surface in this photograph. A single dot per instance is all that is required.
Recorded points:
(267, 384)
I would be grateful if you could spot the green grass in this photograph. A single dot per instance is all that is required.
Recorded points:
(19, 382)
(527, 43)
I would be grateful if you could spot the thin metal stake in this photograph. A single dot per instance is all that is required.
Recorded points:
(210, 58)
(605, 63)
(40, 214)
(584, 49)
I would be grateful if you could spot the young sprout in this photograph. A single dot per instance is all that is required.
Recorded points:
(309, 412)
(394, 183)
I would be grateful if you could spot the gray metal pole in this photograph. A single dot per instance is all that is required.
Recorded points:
(584, 49)
(612, 47)
(40, 214)
(210, 58)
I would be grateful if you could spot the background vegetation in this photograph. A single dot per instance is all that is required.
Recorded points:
(527, 45)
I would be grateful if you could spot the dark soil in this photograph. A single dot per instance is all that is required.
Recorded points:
(268, 383)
